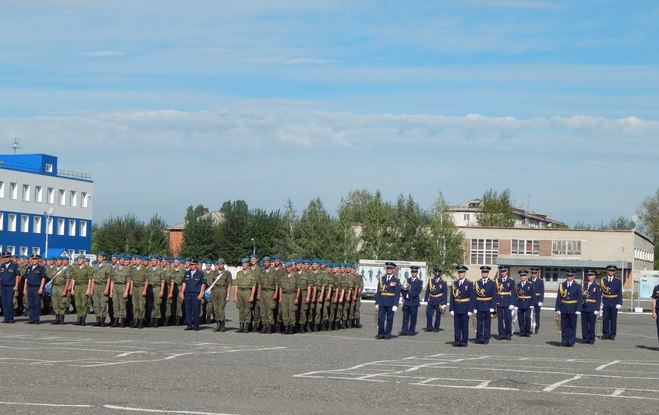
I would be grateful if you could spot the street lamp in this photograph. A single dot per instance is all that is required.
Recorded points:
(254, 246)
(47, 214)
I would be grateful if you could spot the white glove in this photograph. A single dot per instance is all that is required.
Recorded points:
(618, 306)
(516, 309)
(469, 313)
(491, 310)
(558, 312)
(539, 304)
(394, 308)
(597, 313)
(577, 312)
(444, 307)
(475, 311)
(510, 307)
(377, 307)
(452, 313)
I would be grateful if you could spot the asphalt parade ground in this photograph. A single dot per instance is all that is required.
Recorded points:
(48, 369)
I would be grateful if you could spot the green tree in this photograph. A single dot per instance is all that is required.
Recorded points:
(315, 234)
(200, 237)
(123, 234)
(497, 209)
(649, 222)
(234, 236)
(409, 231)
(447, 250)
(376, 237)
(157, 236)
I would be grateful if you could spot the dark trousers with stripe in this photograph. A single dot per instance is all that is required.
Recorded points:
(461, 328)
(610, 321)
(588, 320)
(568, 328)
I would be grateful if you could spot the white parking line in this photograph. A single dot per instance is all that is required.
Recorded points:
(161, 411)
(563, 382)
(51, 405)
(604, 366)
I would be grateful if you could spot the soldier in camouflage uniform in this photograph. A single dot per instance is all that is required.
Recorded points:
(174, 309)
(220, 294)
(318, 281)
(207, 313)
(139, 284)
(339, 296)
(303, 296)
(155, 290)
(100, 289)
(288, 298)
(255, 318)
(119, 290)
(279, 270)
(357, 298)
(244, 293)
(81, 288)
(165, 276)
(268, 288)
(326, 301)
(59, 287)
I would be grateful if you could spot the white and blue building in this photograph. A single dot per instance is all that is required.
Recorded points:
(43, 209)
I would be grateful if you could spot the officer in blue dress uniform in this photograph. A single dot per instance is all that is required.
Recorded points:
(568, 305)
(485, 289)
(386, 301)
(192, 291)
(10, 277)
(435, 299)
(592, 295)
(463, 298)
(655, 306)
(35, 279)
(611, 302)
(539, 290)
(411, 302)
(505, 299)
(525, 301)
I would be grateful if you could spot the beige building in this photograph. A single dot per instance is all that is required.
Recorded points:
(468, 214)
(555, 250)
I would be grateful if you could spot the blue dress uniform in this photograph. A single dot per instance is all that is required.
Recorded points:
(484, 289)
(592, 295)
(435, 298)
(505, 300)
(9, 272)
(386, 298)
(525, 301)
(569, 304)
(35, 276)
(195, 282)
(462, 304)
(539, 290)
(611, 303)
(411, 303)
(655, 297)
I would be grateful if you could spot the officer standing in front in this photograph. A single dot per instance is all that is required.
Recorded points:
(539, 290)
(192, 291)
(505, 299)
(386, 301)
(462, 304)
(435, 299)
(568, 305)
(35, 279)
(611, 302)
(485, 289)
(592, 295)
(9, 278)
(411, 303)
(525, 301)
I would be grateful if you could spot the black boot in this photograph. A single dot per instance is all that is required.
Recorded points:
(83, 321)
(303, 328)
(217, 326)
(153, 323)
(140, 323)
(134, 325)
(165, 322)
(98, 322)
(348, 324)
(268, 329)
(264, 329)
(223, 326)
(102, 319)
(123, 322)
(56, 321)
(241, 328)
(289, 330)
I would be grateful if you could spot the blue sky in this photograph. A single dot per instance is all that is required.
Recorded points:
(171, 103)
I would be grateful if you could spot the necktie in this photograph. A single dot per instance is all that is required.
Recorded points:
(460, 283)
(569, 284)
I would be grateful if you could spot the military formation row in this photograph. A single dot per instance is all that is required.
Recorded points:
(296, 296)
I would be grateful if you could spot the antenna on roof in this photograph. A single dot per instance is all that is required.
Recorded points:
(15, 146)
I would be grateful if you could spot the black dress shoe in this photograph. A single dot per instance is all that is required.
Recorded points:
(612, 337)
(400, 333)
(412, 333)
(379, 337)
(387, 337)
(188, 328)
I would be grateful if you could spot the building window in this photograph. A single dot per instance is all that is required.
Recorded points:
(36, 225)
(36, 250)
(13, 191)
(38, 194)
(82, 252)
(25, 223)
(71, 252)
(60, 226)
(83, 228)
(484, 251)
(2, 223)
(73, 195)
(85, 198)
(62, 197)
(12, 250)
(49, 168)
(466, 217)
(12, 223)
(51, 195)
(49, 226)
(23, 251)
(26, 192)
(72, 227)
(2, 189)
(566, 247)
(525, 247)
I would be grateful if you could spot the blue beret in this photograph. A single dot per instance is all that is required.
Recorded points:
(260, 263)
(220, 261)
(244, 259)
(288, 264)
(277, 256)
(253, 256)
(266, 258)
(208, 262)
(101, 253)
